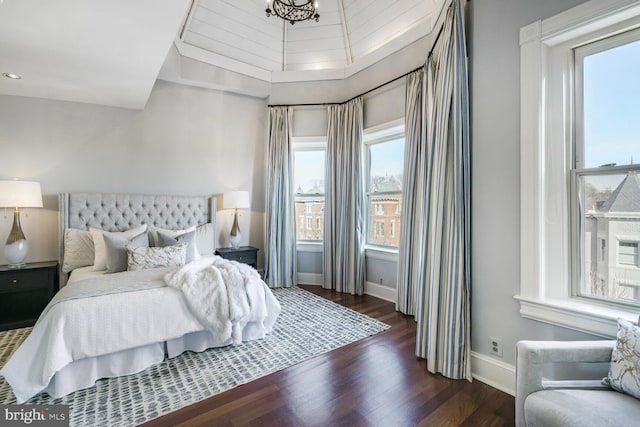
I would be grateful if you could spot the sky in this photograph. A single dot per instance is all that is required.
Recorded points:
(612, 106)
(386, 159)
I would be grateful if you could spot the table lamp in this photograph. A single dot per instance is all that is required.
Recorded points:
(235, 200)
(16, 195)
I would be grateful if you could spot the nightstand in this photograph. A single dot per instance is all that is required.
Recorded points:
(25, 292)
(245, 254)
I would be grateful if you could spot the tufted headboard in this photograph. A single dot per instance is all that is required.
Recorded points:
(119, 212)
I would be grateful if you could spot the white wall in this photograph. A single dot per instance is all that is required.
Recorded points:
(187, 141)
(495, 78)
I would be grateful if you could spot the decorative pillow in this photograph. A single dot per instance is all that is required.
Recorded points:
(624, 371)
(168, 256)
(188, 238)
(100, 255)
(78, 249)
(205, 237)
(116, 250)
(153, 233)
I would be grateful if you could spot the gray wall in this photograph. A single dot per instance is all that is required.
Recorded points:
(494, 49)
(187, 140)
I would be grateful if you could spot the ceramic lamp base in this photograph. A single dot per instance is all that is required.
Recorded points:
(235, 240)
(16, 253)
(234, 235)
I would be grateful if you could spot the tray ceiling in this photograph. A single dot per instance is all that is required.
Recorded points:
(349, 31)
(111, 52)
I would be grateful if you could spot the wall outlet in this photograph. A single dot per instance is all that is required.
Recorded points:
(496, 346)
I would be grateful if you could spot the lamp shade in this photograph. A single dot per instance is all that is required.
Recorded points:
(235, 200)
(20, 194)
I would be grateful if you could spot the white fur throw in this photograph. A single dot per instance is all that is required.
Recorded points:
(223, 295)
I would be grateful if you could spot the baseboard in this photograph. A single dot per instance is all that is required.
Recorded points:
(309, 279)
(493, 372)
(383, 292)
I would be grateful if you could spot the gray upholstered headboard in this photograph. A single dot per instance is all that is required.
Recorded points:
(119, 212)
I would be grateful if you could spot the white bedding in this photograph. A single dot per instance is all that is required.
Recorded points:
(79, 340)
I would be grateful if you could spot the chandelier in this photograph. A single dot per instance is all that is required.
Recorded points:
(293, 10)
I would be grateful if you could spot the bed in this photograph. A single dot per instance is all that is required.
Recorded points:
(103, 325)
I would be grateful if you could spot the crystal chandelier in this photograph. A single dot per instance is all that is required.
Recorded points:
(293, 10)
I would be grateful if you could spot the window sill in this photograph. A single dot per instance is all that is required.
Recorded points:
(577, 314)
(376, 252)
(306, 246)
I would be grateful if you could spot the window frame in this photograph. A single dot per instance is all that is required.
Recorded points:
(547, 144)
(386, 132)
(308, 143)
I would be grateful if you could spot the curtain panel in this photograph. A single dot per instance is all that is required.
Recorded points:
(344, 199)
(433, 267)
(412, 250)
(280, 268)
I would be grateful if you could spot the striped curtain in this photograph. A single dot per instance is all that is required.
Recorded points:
(411, 253)
(443, 336)
(280, 235)
(343, 213)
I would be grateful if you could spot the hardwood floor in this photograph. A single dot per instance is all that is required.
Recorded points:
(377, 381)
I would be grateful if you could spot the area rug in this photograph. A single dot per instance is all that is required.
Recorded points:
(308, 326)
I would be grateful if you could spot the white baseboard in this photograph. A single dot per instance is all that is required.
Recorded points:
(383, 292)
(493, 372)
(309, 279)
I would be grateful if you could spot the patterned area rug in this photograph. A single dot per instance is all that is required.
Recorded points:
(309, 325)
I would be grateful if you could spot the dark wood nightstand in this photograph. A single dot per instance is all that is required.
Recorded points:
(245, 254)
(25, 292)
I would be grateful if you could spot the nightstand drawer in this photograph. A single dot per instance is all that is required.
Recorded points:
(245, 257)
(244, 254)
(22, 280)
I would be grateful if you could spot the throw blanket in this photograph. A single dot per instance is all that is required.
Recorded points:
(223, 295)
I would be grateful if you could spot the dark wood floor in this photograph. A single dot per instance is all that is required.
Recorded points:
(377, 381)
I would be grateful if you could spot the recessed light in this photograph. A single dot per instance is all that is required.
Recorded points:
(12, 76)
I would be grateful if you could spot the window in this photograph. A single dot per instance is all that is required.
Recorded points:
(569, 141)
(379, 229)
(603, 250)
(606, 188)
(384, 163)
(309, 160)
(628, 253)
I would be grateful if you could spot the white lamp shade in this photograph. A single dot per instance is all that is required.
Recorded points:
(20, 194)
(235, 200)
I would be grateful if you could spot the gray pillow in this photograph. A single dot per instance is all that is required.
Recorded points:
(116, 250)
(189, 238)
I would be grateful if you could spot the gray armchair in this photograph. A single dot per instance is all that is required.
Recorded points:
(547, 402)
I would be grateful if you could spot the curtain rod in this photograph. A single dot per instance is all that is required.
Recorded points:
(319, 104)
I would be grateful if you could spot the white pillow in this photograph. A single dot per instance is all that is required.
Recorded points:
(100, 255)
(78, 249)
(153, 233)
(145, 258)
(205, 235)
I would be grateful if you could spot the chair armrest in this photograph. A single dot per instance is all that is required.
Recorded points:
(531, 356)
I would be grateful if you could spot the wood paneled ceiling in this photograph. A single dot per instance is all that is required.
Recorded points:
(350, 34)
(111, 52)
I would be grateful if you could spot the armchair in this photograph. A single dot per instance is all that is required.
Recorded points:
(547, 402)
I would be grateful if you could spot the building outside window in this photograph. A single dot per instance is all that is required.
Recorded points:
(384, 163)
(605, 177)
(309, 161)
